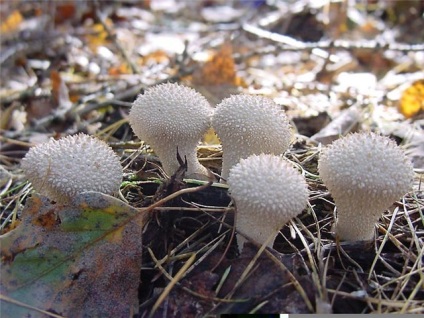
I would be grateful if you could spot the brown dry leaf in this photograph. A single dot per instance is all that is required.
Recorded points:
(12, 22)
(219, 70)
(412, 100)
(217, 78)
(60, 93)
(82, 259)
(65, 11)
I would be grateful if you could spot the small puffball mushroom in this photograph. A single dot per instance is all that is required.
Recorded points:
(248, 125)
(170, 116)
(365, 173)
(268, 192)
(60, 169)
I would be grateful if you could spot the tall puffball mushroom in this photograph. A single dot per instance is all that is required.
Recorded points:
(170, 116)
(248, 125)
(365, 173)
(60, 169)
(268, 192)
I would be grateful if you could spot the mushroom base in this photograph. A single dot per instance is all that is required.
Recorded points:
(256, 234)
(350, 229)
(168, 157)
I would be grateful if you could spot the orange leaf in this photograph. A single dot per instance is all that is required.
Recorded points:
(120, 69)
(412, 100)
(221, 69)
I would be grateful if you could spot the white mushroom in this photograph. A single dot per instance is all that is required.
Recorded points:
(365, 173)
(171, 116)
(248, 125)
(60, 169)
(268, 192)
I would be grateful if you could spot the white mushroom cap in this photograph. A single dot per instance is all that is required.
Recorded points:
(268, 192)
(60, 169)
(168, 116)
(365, 173)
(248, 125)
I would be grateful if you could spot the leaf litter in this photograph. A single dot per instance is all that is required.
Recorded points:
(360, 69)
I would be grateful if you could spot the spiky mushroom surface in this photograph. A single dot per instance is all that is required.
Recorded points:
(268, 192)
(168, 116)
(248, 125)
(365, 174)
(60, 169)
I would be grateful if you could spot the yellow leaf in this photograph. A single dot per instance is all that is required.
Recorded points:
(210, 137)
(99, 35)
(412, 100)
(12, 22)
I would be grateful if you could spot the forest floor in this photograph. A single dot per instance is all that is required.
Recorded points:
(335, 67)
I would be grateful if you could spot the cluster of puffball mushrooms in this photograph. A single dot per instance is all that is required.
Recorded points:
(364, 172)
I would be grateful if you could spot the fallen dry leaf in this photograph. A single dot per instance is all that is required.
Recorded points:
(78, 260)
(12, 22)
(217, 78)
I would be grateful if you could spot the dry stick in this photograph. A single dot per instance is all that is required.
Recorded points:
(227, 248)
(363, 288)
(222, 223)
(340, 250)
(172, 283)
(404, 280)
(383, 243)
(21, 304)
(257, 307)
(389, 303)
(130, 92)
(293, 279)
(315, 276)
(320, 309)
(16, 142)
(170, 278)
(411, 297)
(111, 129)
(293, 44)
(218, 240)
(412, 230)
(112, 36)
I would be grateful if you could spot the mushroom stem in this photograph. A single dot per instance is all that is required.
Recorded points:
(350, 228)
(255, 233)
(194, 168)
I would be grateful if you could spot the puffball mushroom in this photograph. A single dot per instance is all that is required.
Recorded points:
(60, 169)
(170, 116)
(248, 125)
(365, 173)
(268, 192)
